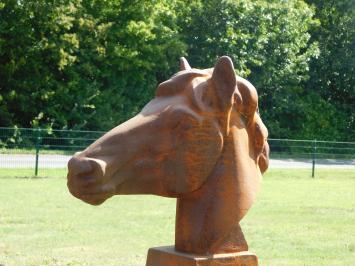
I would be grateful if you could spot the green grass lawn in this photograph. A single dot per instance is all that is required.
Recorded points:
(297, 220)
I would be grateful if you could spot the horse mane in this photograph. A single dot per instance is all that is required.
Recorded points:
(179, 82)
(246, 95)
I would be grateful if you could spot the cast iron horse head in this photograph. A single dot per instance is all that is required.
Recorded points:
(200, 140)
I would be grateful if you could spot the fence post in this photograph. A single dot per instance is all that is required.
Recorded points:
(38, 143)
(314, 156)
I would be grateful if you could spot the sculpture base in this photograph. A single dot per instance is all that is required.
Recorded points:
(168, 256)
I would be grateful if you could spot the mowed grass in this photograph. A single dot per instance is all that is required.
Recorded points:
(296, 220)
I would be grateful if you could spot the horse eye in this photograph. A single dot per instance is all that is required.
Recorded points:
(177, 116)
(185, 126)
(182, 120)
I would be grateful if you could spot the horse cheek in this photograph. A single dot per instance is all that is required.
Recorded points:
(201, 154)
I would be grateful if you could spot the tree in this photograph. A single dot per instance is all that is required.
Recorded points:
(82, 64)
(93, 64)
(332, 73)
(269, 44)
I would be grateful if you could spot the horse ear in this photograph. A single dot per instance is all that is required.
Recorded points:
(224, 81)
(184, 65)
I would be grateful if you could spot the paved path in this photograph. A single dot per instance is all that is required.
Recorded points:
(60, 161)
(29, 160)
(320, 163)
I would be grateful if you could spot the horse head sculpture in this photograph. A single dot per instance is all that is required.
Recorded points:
(200, 140)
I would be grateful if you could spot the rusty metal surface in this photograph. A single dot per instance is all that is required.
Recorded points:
(201, 140)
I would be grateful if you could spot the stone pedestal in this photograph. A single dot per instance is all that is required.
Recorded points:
(168, 256)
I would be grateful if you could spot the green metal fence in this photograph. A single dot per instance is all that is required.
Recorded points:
(326, 152)
(47, 140)
(41, 149)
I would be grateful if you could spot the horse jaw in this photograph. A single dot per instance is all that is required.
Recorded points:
(207, 220)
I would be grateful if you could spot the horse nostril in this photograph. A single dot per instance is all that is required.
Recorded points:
(98, 166)
(79, 165)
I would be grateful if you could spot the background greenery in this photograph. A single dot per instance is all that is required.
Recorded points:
(93, 64)
(296, 220)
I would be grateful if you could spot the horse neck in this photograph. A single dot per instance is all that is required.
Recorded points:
(207, 220)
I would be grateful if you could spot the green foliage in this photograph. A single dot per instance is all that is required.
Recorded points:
(269, 44)
(332, 73)
(81, 64)
(93, 64)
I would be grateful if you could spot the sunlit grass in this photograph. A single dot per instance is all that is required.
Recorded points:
(297, 220)
(30, 172)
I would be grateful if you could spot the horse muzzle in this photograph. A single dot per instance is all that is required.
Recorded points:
(85, 179)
